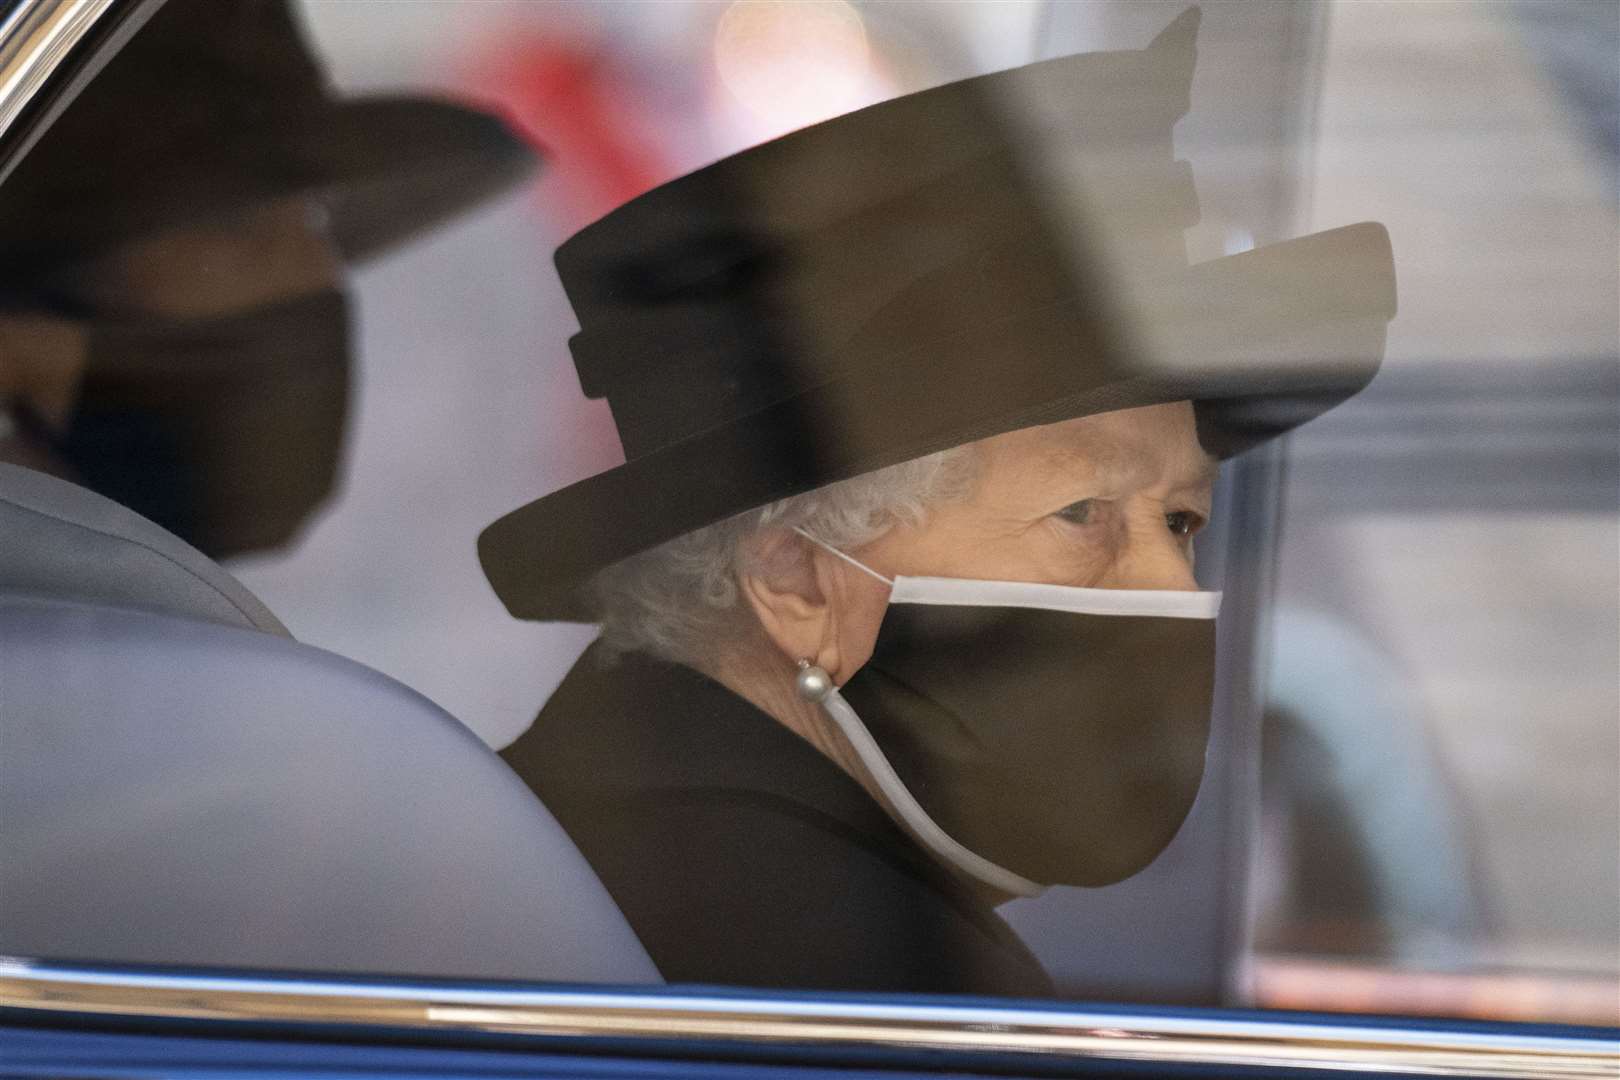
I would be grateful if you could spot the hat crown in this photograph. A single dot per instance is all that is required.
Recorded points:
(876, 233)
(980, 258)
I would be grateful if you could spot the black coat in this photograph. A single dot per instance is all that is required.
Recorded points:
(743, 856)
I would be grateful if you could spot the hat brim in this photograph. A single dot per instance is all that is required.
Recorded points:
(389, 168)
(1260, 342)
(386, 167)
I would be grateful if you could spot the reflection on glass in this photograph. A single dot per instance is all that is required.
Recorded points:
(834, 458)
(177, 330)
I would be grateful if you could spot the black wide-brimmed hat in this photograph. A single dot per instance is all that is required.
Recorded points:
(216, 106)
(977, 258)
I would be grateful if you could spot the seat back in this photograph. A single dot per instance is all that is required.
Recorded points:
(181, 783)
(61, 540)
(176, 791)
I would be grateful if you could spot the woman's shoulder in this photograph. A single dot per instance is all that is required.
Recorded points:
(745, 887)
(740, 854)
(634, 724)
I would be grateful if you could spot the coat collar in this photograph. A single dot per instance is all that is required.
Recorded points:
(637, 728)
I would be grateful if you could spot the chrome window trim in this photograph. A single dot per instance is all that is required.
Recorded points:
(618, 1014)
(34, 40)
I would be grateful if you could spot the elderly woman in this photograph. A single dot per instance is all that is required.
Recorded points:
(895, 585)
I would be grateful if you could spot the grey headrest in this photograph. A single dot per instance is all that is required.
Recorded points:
(174, 791)
(60, 540)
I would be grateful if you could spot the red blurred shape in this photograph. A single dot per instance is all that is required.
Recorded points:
(566, 99)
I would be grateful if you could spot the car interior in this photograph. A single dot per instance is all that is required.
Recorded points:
(345, 820)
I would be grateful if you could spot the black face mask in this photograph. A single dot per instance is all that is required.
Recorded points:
(1035, 735)
(226, 431)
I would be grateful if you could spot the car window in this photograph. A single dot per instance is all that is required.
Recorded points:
(469, 352)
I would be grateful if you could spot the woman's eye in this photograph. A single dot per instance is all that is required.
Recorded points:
(1183, 522)
(1079, 513)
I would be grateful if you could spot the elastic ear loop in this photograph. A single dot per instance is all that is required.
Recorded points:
(925, 828)
(856, 563)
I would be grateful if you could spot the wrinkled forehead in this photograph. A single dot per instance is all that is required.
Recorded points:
(1152, 445)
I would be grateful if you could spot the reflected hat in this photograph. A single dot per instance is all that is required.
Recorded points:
(988, 255)
(214, 107)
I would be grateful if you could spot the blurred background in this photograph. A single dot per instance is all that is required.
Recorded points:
(1419, 809)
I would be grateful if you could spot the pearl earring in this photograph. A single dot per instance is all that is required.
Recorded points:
(813, 683)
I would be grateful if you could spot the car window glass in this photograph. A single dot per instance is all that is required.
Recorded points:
(287, 284)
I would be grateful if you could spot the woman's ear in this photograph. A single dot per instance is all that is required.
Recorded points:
(788, 596)
(811, 604)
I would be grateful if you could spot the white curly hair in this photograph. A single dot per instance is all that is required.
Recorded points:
(679, 600)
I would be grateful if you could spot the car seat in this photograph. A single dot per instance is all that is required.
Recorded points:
(182, 783)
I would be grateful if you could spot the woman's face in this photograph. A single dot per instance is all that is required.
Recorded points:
(1110, 501)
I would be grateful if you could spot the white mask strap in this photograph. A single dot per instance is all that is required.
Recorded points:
(847, 558)
(924, 827)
